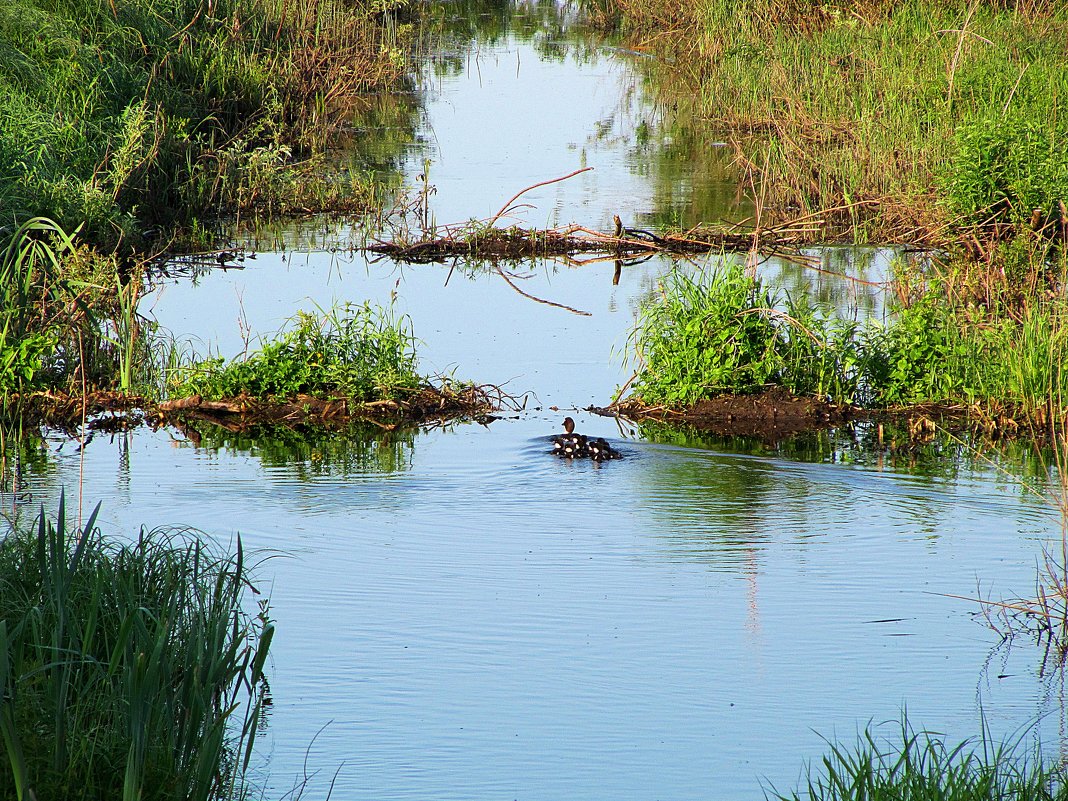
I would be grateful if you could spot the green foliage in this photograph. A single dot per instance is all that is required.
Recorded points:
(66, 316)
(120, 115)
(1006, 167)
(33, 302)
(858, 101)
(703, 337)
(923, 766)
(723, 332)
(127, 670)
(359, 352)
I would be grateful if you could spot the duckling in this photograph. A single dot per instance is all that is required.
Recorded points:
(601, 451)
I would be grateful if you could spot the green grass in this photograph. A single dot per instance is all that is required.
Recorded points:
(722, 331)
(128, 669)
(936, 114)
(127, 115)
(362, 353)
(921, 766)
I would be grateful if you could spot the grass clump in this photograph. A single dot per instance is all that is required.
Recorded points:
(128, 670)
(723, 332)
(923, 766)
(362, 353)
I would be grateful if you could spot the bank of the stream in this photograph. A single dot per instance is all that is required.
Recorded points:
(929, 120)
(136, 122)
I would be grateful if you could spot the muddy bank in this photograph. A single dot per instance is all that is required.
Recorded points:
(112, 411)
(772, 415)
(775, 415)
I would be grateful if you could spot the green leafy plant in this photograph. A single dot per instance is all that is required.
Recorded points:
(703, 336)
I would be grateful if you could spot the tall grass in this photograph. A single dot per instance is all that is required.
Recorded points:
(723, 331)
(923, 766)
(68, 317)
(123, 115)
(128, 670)
(929, 114)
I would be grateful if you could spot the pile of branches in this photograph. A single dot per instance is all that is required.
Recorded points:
(486, 242)
(480, 239)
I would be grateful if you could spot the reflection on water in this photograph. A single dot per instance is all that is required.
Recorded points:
(309, 453)
(463, 615)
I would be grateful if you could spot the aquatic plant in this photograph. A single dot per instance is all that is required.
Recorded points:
(704, 336)
(922, 765)
(129, 669)
(362, 353)
(34, 302)
(722, 331)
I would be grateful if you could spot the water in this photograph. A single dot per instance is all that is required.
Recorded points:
(460, 615)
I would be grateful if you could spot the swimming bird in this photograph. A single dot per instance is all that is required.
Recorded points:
(570, 445)
(600, 450)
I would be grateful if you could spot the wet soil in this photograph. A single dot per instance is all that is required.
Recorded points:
(772, 415)
(775, 415)
(108, 411)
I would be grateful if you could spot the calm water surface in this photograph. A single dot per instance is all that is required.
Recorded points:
(461, 616)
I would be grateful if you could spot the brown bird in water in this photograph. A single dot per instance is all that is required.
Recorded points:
(569, 445)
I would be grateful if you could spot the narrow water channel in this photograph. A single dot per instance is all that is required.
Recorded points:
(462, 616)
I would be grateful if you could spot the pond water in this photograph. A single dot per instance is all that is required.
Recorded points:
(460, 615)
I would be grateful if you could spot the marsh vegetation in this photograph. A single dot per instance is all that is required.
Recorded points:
(128, 669)
(136, 121)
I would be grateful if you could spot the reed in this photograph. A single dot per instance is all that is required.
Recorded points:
(894, 113)
(922, 765)
(128, 669)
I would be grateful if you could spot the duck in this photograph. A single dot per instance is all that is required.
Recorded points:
(570, 445)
